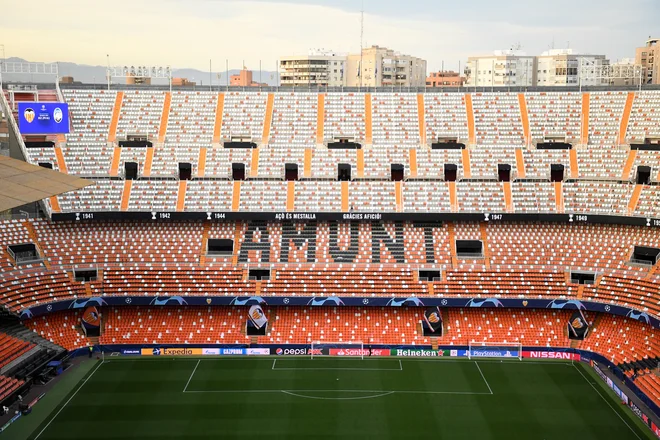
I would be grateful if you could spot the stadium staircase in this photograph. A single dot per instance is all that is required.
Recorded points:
(627, 169)
(320, 120)
(574, 163)
(164, 118)
(116, 111)
(268, 119)
(368, 124)
(217, 125)
(236, 196)
(126, 195)
(472, 136)
(584, 136)
(148, 162)
(114, 164)
(467, 170)
(634, 199)
(625, 118)
(421, 118)
(307, 163)
(412, 163)
(35, 240)
(559, 197)
(59, 155)
(360, 163)
(524, 118)
(181, 196)
(201, 162)
(520, 164)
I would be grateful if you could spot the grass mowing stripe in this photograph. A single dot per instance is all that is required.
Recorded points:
(607, 401)
(69, 400)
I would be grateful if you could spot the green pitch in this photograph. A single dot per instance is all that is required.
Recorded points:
(338, 398)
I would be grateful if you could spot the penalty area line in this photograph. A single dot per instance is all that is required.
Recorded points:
(483, 377)
(469, 393)
(191, 375)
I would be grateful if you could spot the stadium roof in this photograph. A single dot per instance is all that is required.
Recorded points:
(22, 183)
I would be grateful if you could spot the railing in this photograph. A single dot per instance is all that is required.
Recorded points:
(465, 267)
(388, 89)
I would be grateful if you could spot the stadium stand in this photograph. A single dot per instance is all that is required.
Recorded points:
(8, 386)
(420, 132)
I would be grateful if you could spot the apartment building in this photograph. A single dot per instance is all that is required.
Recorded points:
(649, 58)
(322, 68)
(502, 68)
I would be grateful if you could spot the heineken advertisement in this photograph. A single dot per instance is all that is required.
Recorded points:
(407, 352)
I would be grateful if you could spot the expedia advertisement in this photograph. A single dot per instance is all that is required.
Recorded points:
(172, 352)
(43, 117)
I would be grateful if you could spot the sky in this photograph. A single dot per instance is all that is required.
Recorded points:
(189, 33)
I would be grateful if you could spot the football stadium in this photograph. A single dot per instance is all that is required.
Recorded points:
(307, 262)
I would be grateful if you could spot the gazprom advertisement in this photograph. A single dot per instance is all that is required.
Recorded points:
(43, 117)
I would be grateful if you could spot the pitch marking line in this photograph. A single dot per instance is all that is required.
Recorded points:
(606, 401)
(191, 376)
(483, 377)
(290, 393)
(379, 393)
(333, 369)
(67, 402)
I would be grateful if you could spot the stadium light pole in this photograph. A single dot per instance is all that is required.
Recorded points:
(108, 71)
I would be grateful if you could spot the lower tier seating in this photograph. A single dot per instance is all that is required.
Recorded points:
(12, 348)
(8, 385)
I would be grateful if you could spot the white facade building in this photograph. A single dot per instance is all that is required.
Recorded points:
(318, 68)
(503, 68)
(562, 67)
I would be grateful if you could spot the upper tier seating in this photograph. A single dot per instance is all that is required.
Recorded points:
(294, 119)
(605, 111)
(87, 152)
(141, 113)
(243, 115)
(294, 138)
(395, 119)
(554, 115)
(445, 116)
(645, 116)
(497, 119)
(191, 118)
(344, 116)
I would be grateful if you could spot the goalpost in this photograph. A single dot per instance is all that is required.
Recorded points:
(354, 349)
(493, 350)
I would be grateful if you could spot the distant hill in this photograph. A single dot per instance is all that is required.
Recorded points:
(96, 75)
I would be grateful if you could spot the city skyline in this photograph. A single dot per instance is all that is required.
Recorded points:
(188, 34)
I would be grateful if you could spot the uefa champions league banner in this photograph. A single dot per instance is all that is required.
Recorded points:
(335, 301)
(43, 117)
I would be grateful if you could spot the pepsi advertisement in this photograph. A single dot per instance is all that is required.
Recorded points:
(43, 117)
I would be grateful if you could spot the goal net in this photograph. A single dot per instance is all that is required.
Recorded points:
(490, 350)
(353, 349)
